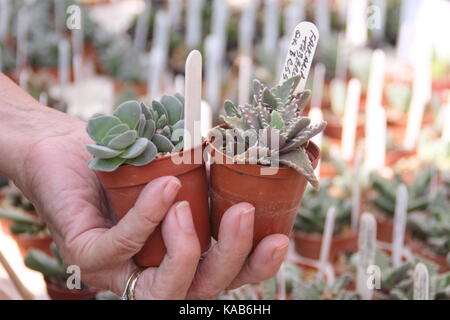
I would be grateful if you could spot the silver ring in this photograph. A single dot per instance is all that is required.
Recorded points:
(130, 286)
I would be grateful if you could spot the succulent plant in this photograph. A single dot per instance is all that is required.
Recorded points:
(314, 207)
(53, 268)
(418, 191)
(135, 133)
(271, 129)
(433, 226)
(321, 290)
(23, 222)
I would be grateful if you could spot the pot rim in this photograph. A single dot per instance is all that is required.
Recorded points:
(316, 236)
(312, 150)
(119, 177)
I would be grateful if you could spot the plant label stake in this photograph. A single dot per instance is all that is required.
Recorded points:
(155, 72)
(356, 26)
(420, 96)
(142, 27)
(245, 74)
(247, 28)
(316, 117)
(294, 13)
(219, 24)
(318, 81)
(375, 86)
(322, 12)
(193, 99)
(193, 23)
(341, 58)
(356, 189)
(377, 19)
(59, 7)
(43, 98)
(22, 31)
(77, 53)
(206, 118)
(213, 70)
(281, 283)
(63, 61)
(421, 282)
(349, 123)
(366, 255)
(401, 208)
(270, 32)
(446, 122)
(5, 12)
(175, 8)
(327, 237)
(300, 53)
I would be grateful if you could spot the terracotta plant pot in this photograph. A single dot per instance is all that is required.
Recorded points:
(385, 228)
(27, 242)
(394, 156)
(421, 249)
(308, 244)
(56, 293)
(276, 198)
(124, 185)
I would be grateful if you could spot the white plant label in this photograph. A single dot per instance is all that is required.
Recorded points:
(398, 237)
(327, 238)
(206, 118)
(270, 32)
(193, 23)
(356, 28)
(281, 283)
(193, 99)
(247, 27)
(316, 116)
(356, 189)
(213, 71)
(350, 121)
(421, 282)
(5, 12)
(300, 53)
(318, 83)
(64, 61)
(142, 27)
(366, 255)
(245, 74)
(322, 11)
(294, 13)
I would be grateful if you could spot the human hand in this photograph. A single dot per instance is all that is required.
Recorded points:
(53, 173)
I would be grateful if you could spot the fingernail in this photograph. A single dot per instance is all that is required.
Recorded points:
(184, 217)
(171, 190)
(246, 220)
(279, 253)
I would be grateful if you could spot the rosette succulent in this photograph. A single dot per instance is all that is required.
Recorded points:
(271, 130)
(135, 134)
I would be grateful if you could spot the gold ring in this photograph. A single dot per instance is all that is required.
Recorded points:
(130, 285)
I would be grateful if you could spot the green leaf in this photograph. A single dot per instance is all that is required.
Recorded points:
(269, 99)
(121, 128)
(178, 125)
(18, 216)
(230, 109)
(150, 128)
(145, 111)
(179, 147)
(299, 160)
(166, 132)
(106, 165)
(141, 125)
(136, 149)
(129, 113)
(235, 123)
(146, 157)
(276, 121)
(39, 261)
(162, 122)
(102, 152)
(123, 140)
(160, 109)
(180, 97)
(174, 108)
(98, 127)
(162, 143)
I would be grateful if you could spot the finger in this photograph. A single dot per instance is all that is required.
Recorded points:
(226, 258)
(264, 262)
(97, 247)
(174, 276)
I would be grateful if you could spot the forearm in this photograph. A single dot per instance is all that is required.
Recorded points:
(23, 124)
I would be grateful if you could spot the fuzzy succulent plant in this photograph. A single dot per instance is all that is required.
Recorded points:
(271, 130)
(386, 192)
(136, 133)
(313, 210)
